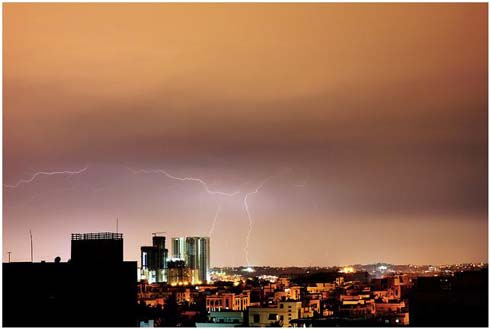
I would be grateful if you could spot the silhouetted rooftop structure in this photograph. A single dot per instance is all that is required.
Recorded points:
(97, 236)
(96, 289)
(97, 248)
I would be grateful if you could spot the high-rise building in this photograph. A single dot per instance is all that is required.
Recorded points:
(154, 260)
(161, 251)
(195, 251)
(178, 273)
(178, 248)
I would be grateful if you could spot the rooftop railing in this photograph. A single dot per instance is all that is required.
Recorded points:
(97, 236)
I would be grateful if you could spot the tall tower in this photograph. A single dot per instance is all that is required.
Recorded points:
(154, 260)
(178, 248)
(195, 251)
(161, 257)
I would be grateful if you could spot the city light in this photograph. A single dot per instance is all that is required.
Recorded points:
(248, 269)
(347, 269)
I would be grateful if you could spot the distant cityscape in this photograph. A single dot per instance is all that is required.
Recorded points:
(96, 287)
(189, 264)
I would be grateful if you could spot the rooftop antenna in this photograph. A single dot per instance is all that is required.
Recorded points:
(32, 252)
(9, 252)
(117, 224)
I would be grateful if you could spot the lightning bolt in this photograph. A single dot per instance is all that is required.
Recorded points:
(183, 179)
(219, 203)
(192, 179)
(218, 210)
(203, 183)
(44, 173)
(249, 216)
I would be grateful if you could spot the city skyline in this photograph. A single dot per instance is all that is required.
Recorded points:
(291, 135)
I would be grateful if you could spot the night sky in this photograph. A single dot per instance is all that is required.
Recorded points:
(363, 129)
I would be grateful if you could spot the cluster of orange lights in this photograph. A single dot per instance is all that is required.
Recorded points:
(184, 283)
(348, 269)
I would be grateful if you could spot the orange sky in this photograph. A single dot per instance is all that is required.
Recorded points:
(381, 109)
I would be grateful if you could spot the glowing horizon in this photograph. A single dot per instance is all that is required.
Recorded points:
(371, 119)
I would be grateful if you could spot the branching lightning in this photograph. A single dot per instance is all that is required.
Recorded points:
(45, 173)
(219, 202)
(216, 215)
(216, 193)
(184, 179)
(249, 216)
(192, 179)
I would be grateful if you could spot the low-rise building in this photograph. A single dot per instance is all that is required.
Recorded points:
(320, 287)
(228, 301)
(292, 293)
(223, 319)
(353, 307)
(392, 311)
(283, 282)
(281, 314)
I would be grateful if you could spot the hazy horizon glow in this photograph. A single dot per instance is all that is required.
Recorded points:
(370, 119)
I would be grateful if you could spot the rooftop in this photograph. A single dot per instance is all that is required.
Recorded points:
(97, 236)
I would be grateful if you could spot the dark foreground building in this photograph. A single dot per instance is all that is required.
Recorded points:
(453, 301)
(96, 288)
